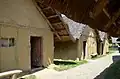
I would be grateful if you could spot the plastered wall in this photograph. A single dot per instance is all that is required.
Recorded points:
(91, 45)
(20, 19)
(66, 50)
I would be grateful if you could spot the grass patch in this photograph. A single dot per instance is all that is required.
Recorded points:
(113, 50)
(28, 77)
(67, 64)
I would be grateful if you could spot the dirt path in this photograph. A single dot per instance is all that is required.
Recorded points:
(85, 71)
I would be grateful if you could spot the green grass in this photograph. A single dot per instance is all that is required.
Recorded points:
(112, 50)
(29, 77)
(66, 64)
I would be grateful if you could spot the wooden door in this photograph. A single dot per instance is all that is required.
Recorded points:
(36, 52)
(84, 49)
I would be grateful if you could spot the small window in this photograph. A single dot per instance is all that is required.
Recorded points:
(11, 42)
(7, 42)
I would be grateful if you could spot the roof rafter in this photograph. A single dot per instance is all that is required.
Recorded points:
(47, 21)
(52, 16)
(106, 13)
(57, 23)
(99, 6)
(113, 19)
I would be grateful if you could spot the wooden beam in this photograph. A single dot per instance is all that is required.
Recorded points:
(47, 20)
(46, 8)
(100, 4)
(52, 16)
(57, 23)
(65, 35)
(57, 35)
(66, 27)
(60, 29)
(107, 14)
(113, 19)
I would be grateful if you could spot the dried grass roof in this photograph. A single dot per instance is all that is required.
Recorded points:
(76, 29)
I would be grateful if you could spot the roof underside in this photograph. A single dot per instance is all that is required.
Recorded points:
(103, 15)
(57, 25)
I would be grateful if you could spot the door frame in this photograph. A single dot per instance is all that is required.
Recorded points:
(41, 49)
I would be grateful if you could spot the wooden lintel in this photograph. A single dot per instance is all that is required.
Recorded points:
(52, 16)
(113, 19)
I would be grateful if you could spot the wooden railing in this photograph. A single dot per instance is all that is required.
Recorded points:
(10, 74)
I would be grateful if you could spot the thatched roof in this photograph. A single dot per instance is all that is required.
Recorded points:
(102, 35)
(98, 14)
(77, 30)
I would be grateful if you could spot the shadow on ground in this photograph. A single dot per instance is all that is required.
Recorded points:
(113, 71)
(64, 62)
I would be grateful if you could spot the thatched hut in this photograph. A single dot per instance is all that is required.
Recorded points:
(83, 46)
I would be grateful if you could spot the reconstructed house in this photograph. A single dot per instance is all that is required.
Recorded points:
(28, 30)
(26, 41)
(83, 45)
(104, 43)
(89, 44)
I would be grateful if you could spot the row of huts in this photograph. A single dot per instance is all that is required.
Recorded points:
(32, 35)
(86, 43)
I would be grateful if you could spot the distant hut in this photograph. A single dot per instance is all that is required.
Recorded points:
(82, 44)
(104, 45)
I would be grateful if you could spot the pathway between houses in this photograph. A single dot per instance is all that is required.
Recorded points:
(85, 71)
